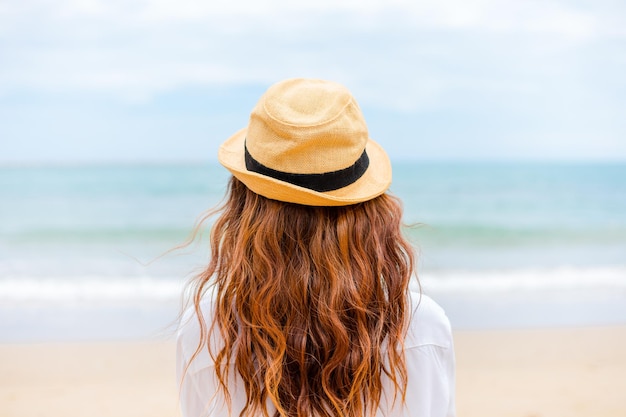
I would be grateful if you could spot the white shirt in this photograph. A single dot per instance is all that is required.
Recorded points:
(429, 359)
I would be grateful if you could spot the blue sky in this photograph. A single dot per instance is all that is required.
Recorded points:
(148, 81)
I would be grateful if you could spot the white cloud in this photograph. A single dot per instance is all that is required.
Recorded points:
(402, 54)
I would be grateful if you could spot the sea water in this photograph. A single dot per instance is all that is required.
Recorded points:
(83, 249)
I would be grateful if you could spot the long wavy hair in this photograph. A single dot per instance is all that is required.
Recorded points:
(311, 303)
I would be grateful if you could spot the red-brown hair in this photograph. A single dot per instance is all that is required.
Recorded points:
(311, 303)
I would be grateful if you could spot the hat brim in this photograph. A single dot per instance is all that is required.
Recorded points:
(372, 183)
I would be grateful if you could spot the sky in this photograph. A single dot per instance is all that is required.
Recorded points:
(139, 81)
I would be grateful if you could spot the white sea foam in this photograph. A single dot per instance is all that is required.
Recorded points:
(88, 289)
(564, 278)
(49, 290)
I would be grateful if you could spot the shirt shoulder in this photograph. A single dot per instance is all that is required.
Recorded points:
(188, 336)
(428, 323)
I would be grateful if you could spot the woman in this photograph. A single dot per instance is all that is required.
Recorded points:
(305, 308)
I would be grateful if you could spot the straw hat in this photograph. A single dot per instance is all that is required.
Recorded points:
(307, 143)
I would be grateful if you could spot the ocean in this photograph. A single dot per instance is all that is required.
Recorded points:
(83, 249)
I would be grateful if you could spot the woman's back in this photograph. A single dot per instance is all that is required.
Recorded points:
(429, 357)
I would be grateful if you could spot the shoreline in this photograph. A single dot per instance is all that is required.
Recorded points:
(518, 373)
(102, 308)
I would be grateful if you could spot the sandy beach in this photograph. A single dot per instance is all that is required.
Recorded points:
(517, 373)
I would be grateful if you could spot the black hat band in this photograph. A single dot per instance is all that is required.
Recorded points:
(327, 181)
